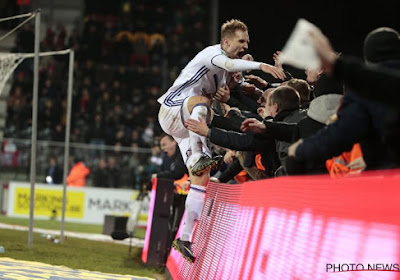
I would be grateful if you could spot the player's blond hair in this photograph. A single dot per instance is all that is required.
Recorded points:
(228, 29)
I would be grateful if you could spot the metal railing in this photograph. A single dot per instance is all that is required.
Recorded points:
(134, 164)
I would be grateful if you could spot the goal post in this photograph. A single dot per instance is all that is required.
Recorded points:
(8, 63)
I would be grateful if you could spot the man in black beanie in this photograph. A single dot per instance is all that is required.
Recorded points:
(360, 120)
(382, 45)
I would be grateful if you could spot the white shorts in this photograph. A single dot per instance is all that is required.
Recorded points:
(172, 120)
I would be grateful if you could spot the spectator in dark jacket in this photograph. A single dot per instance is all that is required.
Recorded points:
(285, 106)
(370, 81)
(100, 174)
(174, 168)
(54, 172)
(360, 120)
(283, 102)
(114, 173)
(328, 95)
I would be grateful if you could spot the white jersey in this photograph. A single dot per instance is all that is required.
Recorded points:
(203, 75)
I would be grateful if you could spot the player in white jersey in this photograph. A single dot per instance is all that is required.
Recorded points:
(190, 97)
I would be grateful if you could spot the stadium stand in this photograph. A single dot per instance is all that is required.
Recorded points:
(122, 65)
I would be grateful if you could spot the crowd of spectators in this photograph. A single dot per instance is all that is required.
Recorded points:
(337, 121)
(123, 63)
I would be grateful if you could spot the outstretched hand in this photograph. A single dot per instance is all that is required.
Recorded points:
(214, 179)
(223, 94)
(236, 76)
(358, 163)
(274, 71)
(324, 49)
(256, 80)
(293, 147)
(275, 57)
(200, 127)
(252, 124)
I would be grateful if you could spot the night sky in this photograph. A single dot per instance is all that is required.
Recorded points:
(346, 25)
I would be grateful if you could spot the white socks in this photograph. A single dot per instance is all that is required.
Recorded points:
(199, 112)
(193, 208)
(196, 196)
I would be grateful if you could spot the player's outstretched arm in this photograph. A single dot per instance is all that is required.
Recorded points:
(235, 65)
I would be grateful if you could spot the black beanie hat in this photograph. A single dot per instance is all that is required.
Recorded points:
(327, 85)
(382, 44)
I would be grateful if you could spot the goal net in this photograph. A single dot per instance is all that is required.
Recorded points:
(8, 63)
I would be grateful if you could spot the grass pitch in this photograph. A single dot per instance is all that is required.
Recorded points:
(75, 253)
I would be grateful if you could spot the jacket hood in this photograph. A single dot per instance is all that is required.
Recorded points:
(324, 106)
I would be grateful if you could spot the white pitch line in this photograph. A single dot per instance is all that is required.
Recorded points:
(136, 242)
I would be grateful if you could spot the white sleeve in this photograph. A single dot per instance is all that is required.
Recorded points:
(234, 65)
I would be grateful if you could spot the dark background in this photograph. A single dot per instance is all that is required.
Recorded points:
(346, 24)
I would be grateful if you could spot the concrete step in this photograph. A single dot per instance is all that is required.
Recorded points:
(55, 12)
(8, 42)
(3, 108)
(60, 15)
(70, 4)
(6, 90)
(2, 123)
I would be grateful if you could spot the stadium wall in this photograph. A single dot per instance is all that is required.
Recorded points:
(310, 227)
